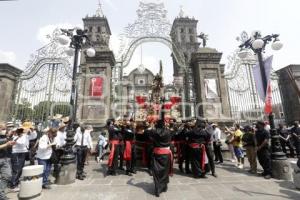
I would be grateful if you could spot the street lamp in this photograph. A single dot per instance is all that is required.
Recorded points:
(257, 44)
(77, 40)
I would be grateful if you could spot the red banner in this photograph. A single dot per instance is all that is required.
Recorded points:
(268, 101)
(96, 87)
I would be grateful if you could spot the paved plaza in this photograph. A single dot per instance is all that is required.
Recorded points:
(232, 184)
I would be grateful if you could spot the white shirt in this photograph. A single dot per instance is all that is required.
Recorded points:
(44, 151)
(60, 139)
(87, 139)
(22, 144)
(216, 134)
(102, 141)
(32, 135)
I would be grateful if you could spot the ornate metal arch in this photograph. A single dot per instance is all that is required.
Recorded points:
(151, 25)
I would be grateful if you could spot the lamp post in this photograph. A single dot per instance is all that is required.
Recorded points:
(77, 39)
(257, 44)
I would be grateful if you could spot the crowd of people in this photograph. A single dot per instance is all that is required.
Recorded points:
(196, 145)
(24, 142)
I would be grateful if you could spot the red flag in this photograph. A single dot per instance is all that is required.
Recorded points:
(268, 100)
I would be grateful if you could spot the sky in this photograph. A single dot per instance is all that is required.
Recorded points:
(25, 24)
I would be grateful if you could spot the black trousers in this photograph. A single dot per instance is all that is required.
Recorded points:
(130, 164)
(264, 158)
(114, 165)
(288, 144)
(81, 156)
(187, 157)
(218, 153)
(149, 154)
(121, 154)
(210, 156)
(297, 146)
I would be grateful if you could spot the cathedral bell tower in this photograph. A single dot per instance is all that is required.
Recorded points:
(94, 102)
(184, 36)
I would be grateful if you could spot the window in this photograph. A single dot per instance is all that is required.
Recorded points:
(190, 30)
(191, 39)
(141, 82)
(98, 29)
(90, 29)
(182, 30)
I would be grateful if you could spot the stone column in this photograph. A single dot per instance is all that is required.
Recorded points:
(210, 85)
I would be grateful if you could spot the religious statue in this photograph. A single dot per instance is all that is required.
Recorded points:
(157, 85)
(204, 38)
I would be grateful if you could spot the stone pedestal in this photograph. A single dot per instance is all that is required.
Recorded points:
(212, 100)
(8, 85)
(296, 174)
(67, 174)
(281, 169)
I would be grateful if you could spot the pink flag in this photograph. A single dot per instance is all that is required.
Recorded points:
(268, 100)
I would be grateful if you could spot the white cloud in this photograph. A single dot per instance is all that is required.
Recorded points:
(114, 43)
(111, 5)
(44, 31)
(7, 57)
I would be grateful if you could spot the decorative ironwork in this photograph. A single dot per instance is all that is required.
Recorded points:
(45, 81)
(244, 100)
(152, 25)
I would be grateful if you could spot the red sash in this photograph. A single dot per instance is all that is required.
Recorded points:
(203, 151)
(165, 151)
(127, 151)
(112, 151)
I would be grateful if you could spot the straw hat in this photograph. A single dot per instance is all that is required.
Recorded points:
(214, 124)
(27, 125)
(2, 126)
(10, 124)
(65, 119)
(46, 129)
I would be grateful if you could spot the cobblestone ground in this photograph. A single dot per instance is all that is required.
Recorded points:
(232, 183)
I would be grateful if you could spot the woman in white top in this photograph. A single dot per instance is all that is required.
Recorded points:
(44, 152)
(19, 151)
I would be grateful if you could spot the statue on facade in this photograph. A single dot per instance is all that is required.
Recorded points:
(204, 38)
(157, 85)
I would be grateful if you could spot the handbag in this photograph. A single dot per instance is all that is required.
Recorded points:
(54, 158)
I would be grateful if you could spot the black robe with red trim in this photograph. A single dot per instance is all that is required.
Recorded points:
(197, 136)
(161, 163)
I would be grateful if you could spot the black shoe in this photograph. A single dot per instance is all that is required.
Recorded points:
(203, 176)
(165, 189)
(47, 187)
(180, 169)
(156, 194)
(150, 173)
(133, 171)
(188, 171)
(214, 175)
(121, 168)
(80, 177)
(128, 173)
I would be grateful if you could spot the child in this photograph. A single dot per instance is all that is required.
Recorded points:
(102, 143)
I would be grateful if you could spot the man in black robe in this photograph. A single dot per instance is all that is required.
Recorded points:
(162, 157)
(295, 133)
(129, 150)
(197, 142)
(114, 147)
